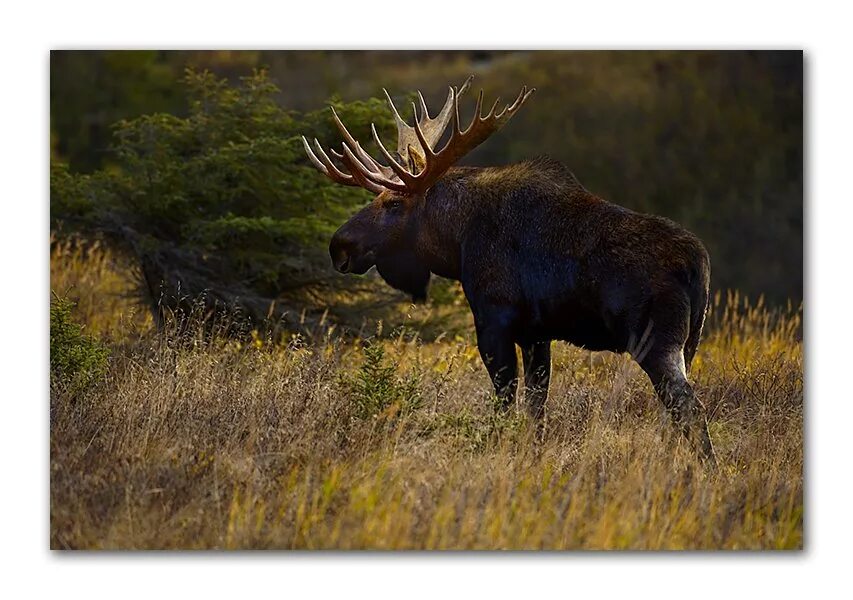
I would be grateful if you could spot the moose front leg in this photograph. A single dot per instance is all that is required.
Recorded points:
(497, 350)
(537, 376)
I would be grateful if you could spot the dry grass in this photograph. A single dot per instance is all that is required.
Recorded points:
(206, 443)
(101, 282)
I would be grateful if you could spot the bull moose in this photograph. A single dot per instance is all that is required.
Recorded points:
(539, 257)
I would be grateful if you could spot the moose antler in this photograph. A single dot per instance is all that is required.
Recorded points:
(422, 164)
(407, 138)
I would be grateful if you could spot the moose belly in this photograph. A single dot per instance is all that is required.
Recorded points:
(571, 322)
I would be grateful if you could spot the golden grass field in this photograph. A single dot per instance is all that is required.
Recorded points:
(190, 442)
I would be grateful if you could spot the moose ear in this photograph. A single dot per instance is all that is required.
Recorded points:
(403, 271)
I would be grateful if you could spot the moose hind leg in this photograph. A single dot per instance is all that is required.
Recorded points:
(667, 372)
(537, 376)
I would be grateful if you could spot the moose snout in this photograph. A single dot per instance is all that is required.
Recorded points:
(348, 254)
(341, 251)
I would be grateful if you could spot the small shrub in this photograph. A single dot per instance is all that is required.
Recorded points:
(377, 389)
(76, 360)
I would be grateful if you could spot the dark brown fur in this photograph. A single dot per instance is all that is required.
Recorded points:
(540, 258)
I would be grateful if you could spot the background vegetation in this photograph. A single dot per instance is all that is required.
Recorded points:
(178, 184)
(215, 173)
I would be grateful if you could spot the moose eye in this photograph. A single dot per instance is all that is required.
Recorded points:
(393, 205)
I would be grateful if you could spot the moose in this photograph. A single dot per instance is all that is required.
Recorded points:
(539, 257)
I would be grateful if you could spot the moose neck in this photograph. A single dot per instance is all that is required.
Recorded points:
(446, 212)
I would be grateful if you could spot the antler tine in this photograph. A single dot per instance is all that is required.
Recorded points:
(510, 109)
(443, 116)
(424, 108)
(341, 127)
(313, 158)
(421, 137)
(360, 172)
(367, 160)
(477, 113)
(333, 172)
(492, 110)
(526, 96)
(325, 157)
(401, 172)
(348, 137)
(465, 85)
(457, 129)
(519, 99)
(397, 116)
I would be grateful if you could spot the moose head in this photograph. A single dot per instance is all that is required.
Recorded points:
(382, 234)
